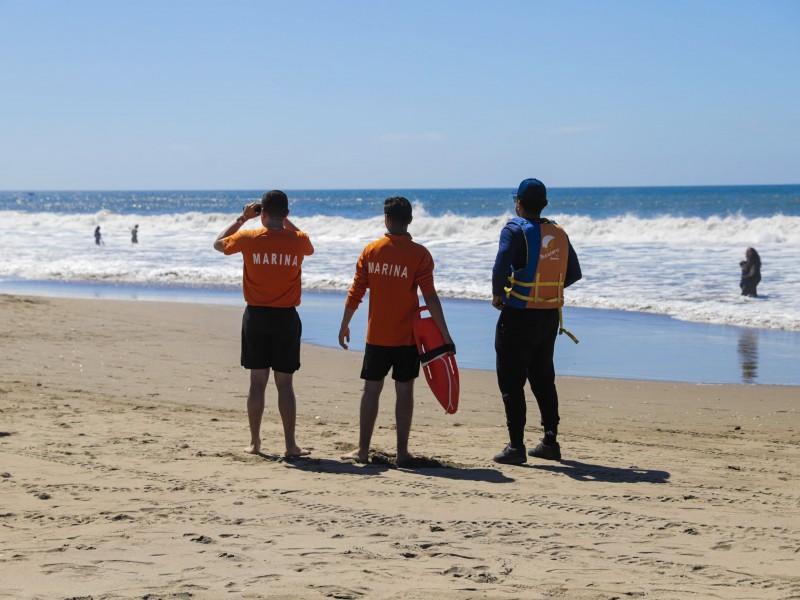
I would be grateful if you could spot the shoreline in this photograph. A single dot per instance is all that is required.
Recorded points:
(614, 344)
(123, 475)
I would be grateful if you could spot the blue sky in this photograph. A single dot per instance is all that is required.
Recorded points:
(194, 94)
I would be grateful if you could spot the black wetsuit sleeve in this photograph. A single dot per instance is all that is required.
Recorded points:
(573, 267)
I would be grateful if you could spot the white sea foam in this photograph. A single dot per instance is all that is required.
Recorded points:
(684, 267)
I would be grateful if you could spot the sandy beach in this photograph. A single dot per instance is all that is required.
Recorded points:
(122, 476)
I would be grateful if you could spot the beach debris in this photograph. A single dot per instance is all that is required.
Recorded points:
(122, 517)
(201, 539)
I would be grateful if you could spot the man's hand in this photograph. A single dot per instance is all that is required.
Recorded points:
(344, 336)
(497, 302)
(249, 211)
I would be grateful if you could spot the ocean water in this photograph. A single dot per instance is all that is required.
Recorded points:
(670, 251)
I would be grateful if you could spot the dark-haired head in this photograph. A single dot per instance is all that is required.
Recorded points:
(398, 210)
(275, 204)
(753, 256)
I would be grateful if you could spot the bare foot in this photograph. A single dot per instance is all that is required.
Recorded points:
(296, 451)
(404, 458)
(357, 456)
(253, 448)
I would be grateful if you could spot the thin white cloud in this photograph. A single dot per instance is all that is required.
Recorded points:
(430, 136)
(576, 129)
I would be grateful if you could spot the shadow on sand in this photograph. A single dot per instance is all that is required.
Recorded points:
(381, 462)
(581, 471)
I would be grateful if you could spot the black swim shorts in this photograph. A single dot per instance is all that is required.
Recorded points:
(271, 338)
(402, 360)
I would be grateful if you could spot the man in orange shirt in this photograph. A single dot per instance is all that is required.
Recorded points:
(271, 327)
(393, 268)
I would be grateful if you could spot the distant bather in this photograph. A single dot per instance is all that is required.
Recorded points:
(751, 273)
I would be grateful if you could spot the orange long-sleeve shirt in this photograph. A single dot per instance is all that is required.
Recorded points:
(272, 264)
(393, 268)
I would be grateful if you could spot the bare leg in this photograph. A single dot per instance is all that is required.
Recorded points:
(255, 407)
(287, 406)
(368, 416)
(403, 413)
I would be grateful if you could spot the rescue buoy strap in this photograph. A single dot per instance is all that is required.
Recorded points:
(428, 356)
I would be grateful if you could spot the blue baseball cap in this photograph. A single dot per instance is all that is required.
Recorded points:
(531, 189)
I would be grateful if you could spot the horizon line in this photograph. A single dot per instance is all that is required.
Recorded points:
(312, 189)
